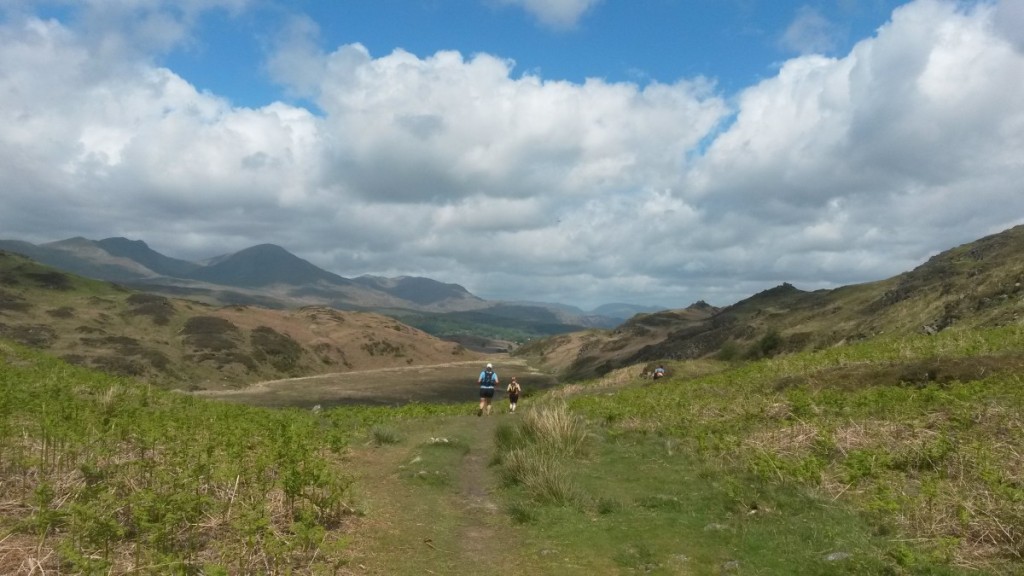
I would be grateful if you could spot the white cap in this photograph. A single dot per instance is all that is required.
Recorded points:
(489, 365)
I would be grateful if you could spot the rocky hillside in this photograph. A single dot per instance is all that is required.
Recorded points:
(269, 276)
(595, 352)
(189, 344)
(977, 284)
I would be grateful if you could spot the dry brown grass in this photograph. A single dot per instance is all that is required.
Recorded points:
(190, 345)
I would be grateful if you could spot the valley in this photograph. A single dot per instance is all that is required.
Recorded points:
(448, 383)
(870, 429)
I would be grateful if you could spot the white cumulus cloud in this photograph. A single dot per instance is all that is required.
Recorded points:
(836, 169)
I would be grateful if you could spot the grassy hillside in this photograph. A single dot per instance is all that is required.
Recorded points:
(102, 475)
(906, 449)
(980, 284)
(595, 352)
(188, 344)
(895, 455)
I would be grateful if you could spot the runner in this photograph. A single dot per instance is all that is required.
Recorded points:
(488, 380)
(513, 394)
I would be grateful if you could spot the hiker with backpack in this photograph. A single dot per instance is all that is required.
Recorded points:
(513, 394)
(488, 380)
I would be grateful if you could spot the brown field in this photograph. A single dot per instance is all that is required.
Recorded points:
(451, 382)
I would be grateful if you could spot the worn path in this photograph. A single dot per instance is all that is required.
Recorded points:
(430, 502)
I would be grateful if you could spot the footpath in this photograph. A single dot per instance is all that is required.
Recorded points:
(429, 501)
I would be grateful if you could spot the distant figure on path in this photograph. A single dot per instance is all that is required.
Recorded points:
(659, 372)
(488, 380)
(513, 394)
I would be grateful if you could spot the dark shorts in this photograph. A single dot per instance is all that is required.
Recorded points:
(513, 398)
(486, 392)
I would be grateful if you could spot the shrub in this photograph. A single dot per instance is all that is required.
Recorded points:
(376, 347)
(62, 312)
(208, 325)
(157, 308)
(769, 345)
(281, 350)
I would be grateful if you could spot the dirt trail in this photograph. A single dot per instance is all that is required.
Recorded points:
(265, 384)
(413, 527)
(478, 535)
(449, 382)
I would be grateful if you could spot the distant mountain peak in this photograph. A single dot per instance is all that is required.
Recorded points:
(422, 291)
(113, 240)
(265, 265)
(140, 252)
(267, 248)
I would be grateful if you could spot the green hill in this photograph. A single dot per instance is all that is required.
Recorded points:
(975, 285)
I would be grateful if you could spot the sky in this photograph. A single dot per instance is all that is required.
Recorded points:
(653, 152)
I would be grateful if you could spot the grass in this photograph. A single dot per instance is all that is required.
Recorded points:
(104, 475)
(888, 456)
(924, 475)
(635, 503)
(384, 435)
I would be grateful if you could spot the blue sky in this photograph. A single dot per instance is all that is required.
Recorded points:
(577, 151)
(733, 42)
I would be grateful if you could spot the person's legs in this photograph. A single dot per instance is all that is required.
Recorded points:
(485, 400)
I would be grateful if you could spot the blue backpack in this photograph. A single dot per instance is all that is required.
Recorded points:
(488, 379)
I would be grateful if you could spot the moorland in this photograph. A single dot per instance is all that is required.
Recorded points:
(871, 429)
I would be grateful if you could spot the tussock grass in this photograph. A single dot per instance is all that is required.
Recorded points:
(382, 435)
(534, 452)
(555, 430)
(542, 475)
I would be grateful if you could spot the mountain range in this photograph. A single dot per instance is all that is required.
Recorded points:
(979, 284)
(268, 275)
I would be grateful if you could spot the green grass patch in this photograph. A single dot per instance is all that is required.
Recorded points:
(435, 461)
(912, 443)
(109, 475)
(650, 511)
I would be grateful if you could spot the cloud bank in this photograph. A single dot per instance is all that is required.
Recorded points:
(832, 171)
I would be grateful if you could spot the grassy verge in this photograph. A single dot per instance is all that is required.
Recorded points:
(893, 456)
(104, 475)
